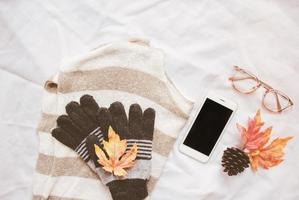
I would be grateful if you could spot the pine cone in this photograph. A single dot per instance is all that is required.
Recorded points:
(234, 161)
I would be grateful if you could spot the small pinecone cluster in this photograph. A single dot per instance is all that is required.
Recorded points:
(234, 161)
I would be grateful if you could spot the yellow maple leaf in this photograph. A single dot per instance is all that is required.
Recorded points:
(118, 159)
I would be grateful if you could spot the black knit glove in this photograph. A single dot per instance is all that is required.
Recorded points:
(81, 121)
(138, 129)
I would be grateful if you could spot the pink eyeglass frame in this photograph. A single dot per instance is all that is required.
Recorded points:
(260, 83)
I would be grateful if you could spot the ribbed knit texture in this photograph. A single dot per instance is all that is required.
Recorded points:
(129, 72)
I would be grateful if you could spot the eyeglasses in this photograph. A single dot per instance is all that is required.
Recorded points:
(273, 100)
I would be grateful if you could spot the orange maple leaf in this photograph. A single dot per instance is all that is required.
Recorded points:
(269, 156)
(254, 141)
(252, 137)
(118, 159)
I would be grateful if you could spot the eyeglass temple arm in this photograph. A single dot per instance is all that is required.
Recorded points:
(239, 78)
(278, 103)
(265, 85)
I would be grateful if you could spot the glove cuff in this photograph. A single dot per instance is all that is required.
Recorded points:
(82, 148)
(128, 189)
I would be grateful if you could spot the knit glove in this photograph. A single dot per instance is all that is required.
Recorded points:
(87, 120)
(81, 121)
(137, 129)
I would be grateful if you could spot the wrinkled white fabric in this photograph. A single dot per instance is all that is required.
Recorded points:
(202, 40)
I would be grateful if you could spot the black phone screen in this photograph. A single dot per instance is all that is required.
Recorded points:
(208, 126)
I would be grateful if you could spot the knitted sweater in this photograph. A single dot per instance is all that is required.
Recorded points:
(129, 72)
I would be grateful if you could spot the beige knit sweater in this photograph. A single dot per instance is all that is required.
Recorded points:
(127, 71)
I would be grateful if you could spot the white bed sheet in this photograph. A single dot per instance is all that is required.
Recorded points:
(202, 39)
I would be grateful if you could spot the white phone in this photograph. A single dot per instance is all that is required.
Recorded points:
(206, 125)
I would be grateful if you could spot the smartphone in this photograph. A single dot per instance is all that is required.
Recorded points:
(206, 125)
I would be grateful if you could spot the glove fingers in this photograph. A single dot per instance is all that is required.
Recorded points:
(64, 137)
(89, 106)
(79, 117)
(90, 142)
(135, 122)
(148, 123)
(65, 123)
(104, 119)
(119, 118)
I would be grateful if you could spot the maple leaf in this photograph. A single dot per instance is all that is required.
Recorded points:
(252, 137)
(254, 141)
(269, 156)
(118, 159)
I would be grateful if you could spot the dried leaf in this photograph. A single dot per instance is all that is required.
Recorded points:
(254, 141)
(269, 156)
(118, 158)
(252, 137)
